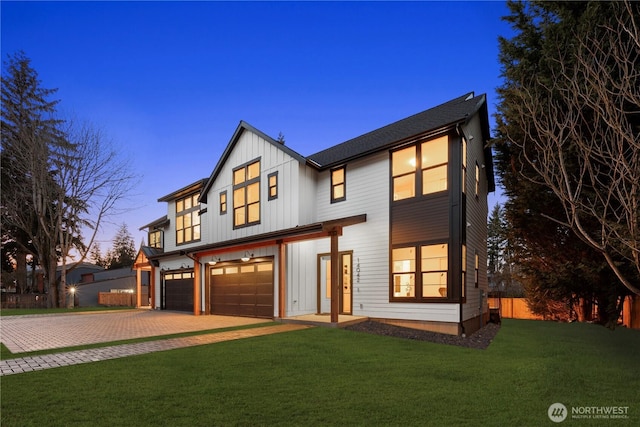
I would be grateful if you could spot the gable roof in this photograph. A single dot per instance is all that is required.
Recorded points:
(243, 126)
(456, 111)
(191, 188)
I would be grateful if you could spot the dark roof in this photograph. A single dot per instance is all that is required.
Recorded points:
(242, 126)
(158, 223)
(191, 188)
(148, 251)
(458, 110)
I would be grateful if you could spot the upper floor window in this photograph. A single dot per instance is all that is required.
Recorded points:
(435, 156)
(155, 239)
(426, 177)
(338, 185)
(403, 170)
(246, 194)
(477, 179)
(273, 185)
(187, 219)
(223, 202)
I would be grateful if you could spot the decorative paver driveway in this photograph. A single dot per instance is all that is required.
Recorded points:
(43, 332)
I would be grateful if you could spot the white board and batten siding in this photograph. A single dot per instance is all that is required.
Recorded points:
(280, 213)
(477, 222)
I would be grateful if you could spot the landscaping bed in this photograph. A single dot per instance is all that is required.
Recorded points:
(478, 340)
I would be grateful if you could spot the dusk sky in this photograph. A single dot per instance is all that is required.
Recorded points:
(170, 81)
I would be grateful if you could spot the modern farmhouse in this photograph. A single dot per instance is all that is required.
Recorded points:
(390, 225)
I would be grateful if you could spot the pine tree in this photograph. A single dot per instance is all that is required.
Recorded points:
(123, 252)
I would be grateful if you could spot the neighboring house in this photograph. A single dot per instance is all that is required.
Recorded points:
(116, 280)
(390, 225)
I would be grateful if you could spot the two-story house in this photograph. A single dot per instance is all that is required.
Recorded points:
(390, 225)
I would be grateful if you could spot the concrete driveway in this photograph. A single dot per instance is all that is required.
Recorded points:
(50, 331)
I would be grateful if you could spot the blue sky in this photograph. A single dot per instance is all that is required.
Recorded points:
(170, 81)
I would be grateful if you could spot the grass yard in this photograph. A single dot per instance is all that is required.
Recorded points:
(325, 376)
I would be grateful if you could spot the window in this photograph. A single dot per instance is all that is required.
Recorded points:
(434, 271)
(155, 239)
(464, 270)
(246, 195)
(223, 202)
(464, 165)
(477, 270)
(404, 272)
(338, 185)
(477, 180)
(430, 176)
(403, 170)
(273, 185)
(187, 219)
(435, 156)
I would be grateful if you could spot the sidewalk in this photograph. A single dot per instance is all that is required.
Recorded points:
(36, 363)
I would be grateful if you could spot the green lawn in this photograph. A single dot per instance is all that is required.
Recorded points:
(324, 376)
(26, 311)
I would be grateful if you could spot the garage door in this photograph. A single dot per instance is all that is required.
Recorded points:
(178, 291)
(242, 289)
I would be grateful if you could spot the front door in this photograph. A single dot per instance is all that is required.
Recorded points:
(324, 285)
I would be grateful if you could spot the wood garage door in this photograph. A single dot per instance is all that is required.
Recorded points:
(178, 291)
(242, 289)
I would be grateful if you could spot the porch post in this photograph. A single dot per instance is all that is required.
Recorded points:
(282, 280)
(335, 276)
(138, 287)
(196, 285)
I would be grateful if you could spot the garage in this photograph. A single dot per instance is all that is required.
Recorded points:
(177, 292)
(242, 289)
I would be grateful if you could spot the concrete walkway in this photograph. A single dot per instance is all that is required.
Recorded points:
(48, 332)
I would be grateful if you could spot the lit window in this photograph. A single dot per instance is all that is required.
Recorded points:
(477, 179)
(434, 268)
(246, 195)
(404, 272)
(403, 170)
(435, 156)
(187, 219)
(223, 203)
(273, 185)
(338, 185)
(155, 239)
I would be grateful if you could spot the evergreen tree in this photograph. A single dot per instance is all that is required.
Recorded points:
(543, 66)
(123, 252)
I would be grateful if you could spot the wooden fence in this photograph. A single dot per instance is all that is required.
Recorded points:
(517, 308)
(117, 299)
(11, 300)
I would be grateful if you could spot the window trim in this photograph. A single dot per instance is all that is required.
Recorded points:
(195, 208)
(223, 204)
(343, 183)
(418, 170)
(418, 272)
(160, 240)
(269, 186)
(245, 185)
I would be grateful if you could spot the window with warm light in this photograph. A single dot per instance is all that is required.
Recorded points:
(246, 195)
(477, 179)
(435, 156)
(338, 185)
(477, 270)
(404, 272)
(419, 274)
(272, 178)
(403, 170)
(223, 203)
(187, 219)
(434, 268)
(155, 239)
